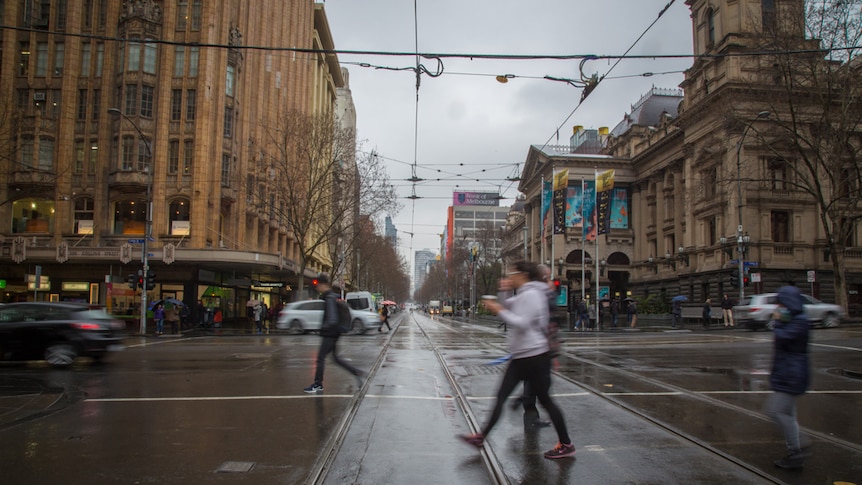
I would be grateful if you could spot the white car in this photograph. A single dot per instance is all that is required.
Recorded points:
(307, 316)
(756, 311)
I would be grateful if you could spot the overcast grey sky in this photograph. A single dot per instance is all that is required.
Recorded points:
(465, 116)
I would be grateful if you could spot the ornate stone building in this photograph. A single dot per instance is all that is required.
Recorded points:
(712, 178)
(97, 96)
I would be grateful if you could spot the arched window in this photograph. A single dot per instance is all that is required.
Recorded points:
(179, 217)
(84, 215)
(130, 216)
(33, 215)
(710, 26)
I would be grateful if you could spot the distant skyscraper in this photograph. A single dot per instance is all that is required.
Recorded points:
(391, 233)
(422, 259)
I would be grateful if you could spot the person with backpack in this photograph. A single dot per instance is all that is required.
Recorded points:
(384, 315)
(330, 330)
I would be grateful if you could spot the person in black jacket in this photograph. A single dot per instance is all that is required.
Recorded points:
(329, 330)
(727, 310)
(789, 377)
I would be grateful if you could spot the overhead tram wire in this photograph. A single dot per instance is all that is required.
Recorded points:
(593, 83)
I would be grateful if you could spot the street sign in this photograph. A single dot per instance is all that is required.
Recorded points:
(136, 241)
(733, 261)
(755, 277)
(750, 264)
(811, 277)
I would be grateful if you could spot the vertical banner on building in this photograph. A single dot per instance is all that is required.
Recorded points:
(604, 186)
(546, 204)
(561, 185)
(588, 209)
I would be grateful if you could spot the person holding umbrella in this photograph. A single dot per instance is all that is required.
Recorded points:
(676, 311)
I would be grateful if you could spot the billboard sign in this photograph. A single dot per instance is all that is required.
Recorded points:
(476, 198)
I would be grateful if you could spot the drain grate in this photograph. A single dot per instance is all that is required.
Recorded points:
(235, 467)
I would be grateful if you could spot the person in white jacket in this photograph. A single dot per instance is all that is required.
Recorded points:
(527, 315)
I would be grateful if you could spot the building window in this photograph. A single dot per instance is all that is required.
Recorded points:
(131, 100)
(780, 222)
(143, 155)
(46, 154)
(188, 156)
(249, 186)
(193, 61)
(130, 216)
(190, 105)
(83, 97)
(100, 58)
(228, 122)
(88, 13)
(173, 156)
(94, 157)
(225, 170)
(179, 60)
(59, 58)
(710, 27)
(779, 174)
(196, 15)
(61, 14)
(85, 59)
(711, 230)
(767, 14)
(176, 104)
(97, 103)
(26, 159)
(182, 14)
(150, 58)
(84, 216)
(33, 215)
(147, 101)
(103, 13)
(229, 81)
(179, 217)
(78, 167)
(134, 60)
(128, 155)
(24, 59)
(41, 59)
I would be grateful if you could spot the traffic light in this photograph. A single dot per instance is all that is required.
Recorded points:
(314, 282)
(133, 281)
(151, 280)
(557, 288)
(746, 278)
(734, 278)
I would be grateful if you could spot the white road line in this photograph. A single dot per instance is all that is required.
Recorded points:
(307, 396)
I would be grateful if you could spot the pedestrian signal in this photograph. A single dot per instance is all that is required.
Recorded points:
(734, 278)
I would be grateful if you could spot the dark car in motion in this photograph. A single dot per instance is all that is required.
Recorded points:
(57, 332)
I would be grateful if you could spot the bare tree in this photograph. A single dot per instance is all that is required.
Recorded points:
(381, 269)
(306, 153)
(489, 261)
(816, 108)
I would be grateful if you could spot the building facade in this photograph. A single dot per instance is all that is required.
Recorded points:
(714, 190)
(111, 107)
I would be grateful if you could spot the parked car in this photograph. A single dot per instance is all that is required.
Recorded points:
(756, 311)
(307, 316)
(57, 332)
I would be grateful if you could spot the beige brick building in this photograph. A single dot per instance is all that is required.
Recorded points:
(197, 85)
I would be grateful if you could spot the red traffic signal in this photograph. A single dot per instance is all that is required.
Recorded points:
(314, 282)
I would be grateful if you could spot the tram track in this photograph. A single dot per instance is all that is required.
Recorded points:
(490, 460)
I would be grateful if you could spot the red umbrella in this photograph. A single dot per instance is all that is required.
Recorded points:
(388, 302)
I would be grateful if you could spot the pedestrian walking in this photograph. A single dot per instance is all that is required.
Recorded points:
(676, 313)
(632, 313)
(528, 398)
(172, 315)
(159, 317)
(615, 312)
(707, 312)
(329, 331)
(258, 317)
(527, 312)
(217, 318)
(583, 315)
(384, 316)
(727, 310)
(789, 377)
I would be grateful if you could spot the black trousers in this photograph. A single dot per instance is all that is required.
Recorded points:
(327, 346)
(536, 371)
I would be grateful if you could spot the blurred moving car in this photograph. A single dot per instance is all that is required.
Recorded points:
(307, 316)
(756, 311)
(57, 332)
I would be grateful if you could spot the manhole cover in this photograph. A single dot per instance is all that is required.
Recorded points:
(235, 467)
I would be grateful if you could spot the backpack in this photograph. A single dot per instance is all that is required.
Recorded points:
(344, 317)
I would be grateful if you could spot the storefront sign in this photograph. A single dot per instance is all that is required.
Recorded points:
(75, 286)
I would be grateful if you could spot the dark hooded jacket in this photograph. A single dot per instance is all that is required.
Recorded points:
(790, 362)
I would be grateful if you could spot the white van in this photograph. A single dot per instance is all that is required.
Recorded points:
(363, 306)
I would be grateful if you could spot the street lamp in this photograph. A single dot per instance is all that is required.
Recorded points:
(741, 246)
(149, 216)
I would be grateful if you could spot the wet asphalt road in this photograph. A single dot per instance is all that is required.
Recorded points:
(642, 407)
